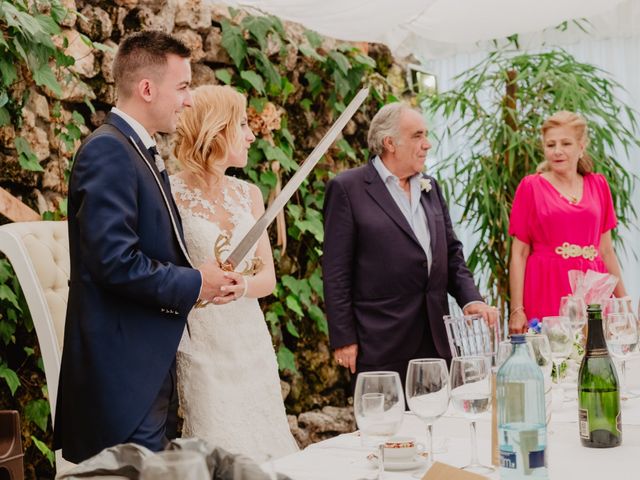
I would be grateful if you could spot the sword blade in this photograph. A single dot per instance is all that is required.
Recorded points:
(254, 234)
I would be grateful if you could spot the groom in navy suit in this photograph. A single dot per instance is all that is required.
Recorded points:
(390, 253)
(132, 283)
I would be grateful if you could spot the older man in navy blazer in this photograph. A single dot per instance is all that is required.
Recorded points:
(390, 253)
(132, 283)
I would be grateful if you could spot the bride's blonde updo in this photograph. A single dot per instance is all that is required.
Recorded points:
(209, 129)
(576, 122)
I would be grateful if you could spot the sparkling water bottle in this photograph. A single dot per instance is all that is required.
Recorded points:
(522, 432)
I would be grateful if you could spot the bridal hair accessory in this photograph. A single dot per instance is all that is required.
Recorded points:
(425, 185)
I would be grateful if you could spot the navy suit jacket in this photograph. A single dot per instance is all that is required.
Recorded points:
(378, 290)
(130, 290)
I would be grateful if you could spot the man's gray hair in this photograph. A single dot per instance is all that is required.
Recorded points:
(385, 123)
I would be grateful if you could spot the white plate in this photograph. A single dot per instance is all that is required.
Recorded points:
(418, 461)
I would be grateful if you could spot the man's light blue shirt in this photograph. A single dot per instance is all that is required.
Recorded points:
(410, 206)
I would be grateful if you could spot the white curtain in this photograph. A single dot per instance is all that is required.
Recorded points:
(618, 56)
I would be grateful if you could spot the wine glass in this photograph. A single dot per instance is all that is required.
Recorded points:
(173, 464)
(621, 335)
(471, 396)
(560, 335)
(541, 350)
(427, 389)
(378, 404)
(575, 309)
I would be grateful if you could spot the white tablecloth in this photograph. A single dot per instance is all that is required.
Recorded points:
(343, 458)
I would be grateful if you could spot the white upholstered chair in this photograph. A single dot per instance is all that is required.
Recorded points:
(39, 254)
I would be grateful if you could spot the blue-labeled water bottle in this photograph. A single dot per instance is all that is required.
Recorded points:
(522, 431)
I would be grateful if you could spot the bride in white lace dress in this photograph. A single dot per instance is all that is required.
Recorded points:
(228, 380)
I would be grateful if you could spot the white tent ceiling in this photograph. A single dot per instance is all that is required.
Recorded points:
(435, 28)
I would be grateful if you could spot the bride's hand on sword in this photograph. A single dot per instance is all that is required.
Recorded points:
(213, 281)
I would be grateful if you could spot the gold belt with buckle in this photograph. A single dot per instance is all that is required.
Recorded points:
(568, 250)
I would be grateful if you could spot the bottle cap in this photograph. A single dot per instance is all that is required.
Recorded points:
(594, 307)
(518, 338)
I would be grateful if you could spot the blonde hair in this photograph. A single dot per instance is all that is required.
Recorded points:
(209, 129)
(564, 118)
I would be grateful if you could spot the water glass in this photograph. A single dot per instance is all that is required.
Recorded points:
(427, 389)
(621, 335)
(378, 404)
(173, 464)
(471, 396)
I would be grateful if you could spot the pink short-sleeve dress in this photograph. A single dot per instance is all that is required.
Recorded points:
(542, 218)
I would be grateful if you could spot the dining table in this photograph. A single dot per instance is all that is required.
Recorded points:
(343, 457)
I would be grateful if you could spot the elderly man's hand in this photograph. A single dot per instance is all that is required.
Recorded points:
(346, 356)
(489, 313)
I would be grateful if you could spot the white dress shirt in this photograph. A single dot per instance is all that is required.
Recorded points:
(410, 207)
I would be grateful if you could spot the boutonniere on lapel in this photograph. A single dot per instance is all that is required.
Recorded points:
(425, 185)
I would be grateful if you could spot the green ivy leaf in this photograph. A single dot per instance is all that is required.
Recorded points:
(26, 157)
(275, 153)
(286, 359)
(223, 75)
(315, 40)
(341, 61)
(317, 315)
(258, 27)
(287, 89)
(258, 103)
(365, 60)
(233, 42)
(293, 304)
(7, 331)
(46, 451)
(310, 52)
(10, 377)
(38, 411)
(291, 328)
(254, 79)
(44, 76)
(315, 83)
(8, 69)
(28, 350)
(7, 294)
(5, 116)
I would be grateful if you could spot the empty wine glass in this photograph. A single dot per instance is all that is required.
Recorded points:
(427, 389)
(173, 464)
(471, 396)
(560, 335)
(621, 335)
(575, 310)
(378, 405)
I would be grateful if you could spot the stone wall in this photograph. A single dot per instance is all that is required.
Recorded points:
(197, 23)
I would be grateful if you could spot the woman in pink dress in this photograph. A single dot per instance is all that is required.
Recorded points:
(561, 220)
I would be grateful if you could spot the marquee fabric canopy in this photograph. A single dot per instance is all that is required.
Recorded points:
(436, 28)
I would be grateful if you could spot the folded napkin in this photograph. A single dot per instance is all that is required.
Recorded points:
(125, 462)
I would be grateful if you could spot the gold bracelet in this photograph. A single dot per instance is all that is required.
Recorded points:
(516, 310)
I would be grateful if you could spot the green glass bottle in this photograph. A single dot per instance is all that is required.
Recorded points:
(598, 390)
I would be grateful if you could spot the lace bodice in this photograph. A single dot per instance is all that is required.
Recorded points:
(228, 380)
(204, 220)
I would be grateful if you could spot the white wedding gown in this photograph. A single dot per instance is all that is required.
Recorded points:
(228, 380)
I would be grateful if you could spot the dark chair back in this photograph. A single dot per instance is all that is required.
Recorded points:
(11, 464)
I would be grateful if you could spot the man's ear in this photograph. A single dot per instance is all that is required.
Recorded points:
(145, 89)
(389, 144)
